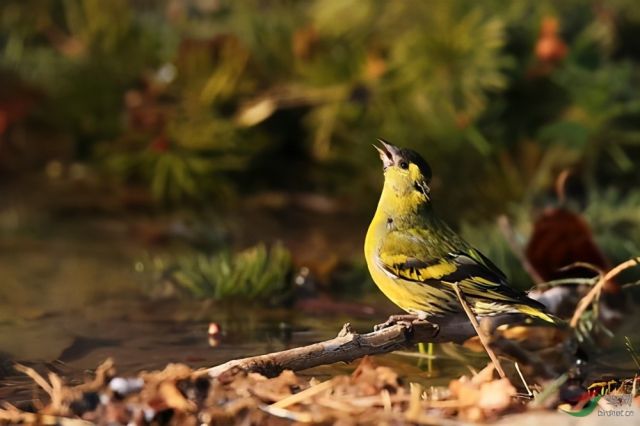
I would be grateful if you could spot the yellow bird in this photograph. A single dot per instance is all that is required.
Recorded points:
(416, 259)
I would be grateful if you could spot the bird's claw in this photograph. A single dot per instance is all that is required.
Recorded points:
(388, 323)
(407, 320)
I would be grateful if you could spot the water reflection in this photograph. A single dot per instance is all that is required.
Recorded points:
(69, 301)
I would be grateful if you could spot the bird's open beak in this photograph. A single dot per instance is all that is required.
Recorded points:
(387, 152)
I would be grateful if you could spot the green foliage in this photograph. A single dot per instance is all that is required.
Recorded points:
(179, 169)
(614, 218)
(351, 280)
(491, 241)
(256, 273)
(234, 90)
(632, 351)
(84, 53)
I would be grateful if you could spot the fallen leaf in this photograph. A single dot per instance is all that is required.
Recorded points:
(496, 395)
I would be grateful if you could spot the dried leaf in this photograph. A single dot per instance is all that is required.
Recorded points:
(496, 395)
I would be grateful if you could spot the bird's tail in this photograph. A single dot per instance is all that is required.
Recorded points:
(537, 313)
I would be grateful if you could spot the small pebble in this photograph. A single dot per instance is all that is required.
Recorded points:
(124, 387)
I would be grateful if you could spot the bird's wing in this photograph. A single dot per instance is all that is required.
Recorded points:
(475, 274)
(453, 267)
(480, 278)
(415, 256)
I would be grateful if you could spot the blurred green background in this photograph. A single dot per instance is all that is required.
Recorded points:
(182, 140)
(205, 101)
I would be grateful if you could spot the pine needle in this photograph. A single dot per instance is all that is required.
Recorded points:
(632, 351)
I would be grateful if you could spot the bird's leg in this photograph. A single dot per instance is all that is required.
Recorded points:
(406, 319)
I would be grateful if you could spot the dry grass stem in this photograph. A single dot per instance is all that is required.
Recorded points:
(301, 396)
(415, 403)
(584, 265)
(595, 291)
(386, 400)
(483, 338)
(36, 377)
(524, 382)
(415, 355)
(287, 414)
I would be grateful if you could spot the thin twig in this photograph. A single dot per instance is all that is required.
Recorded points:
(36, 377)
(524, 382)
(287, 414)
(301, 396)
(346, 347)
(414, 354)
(349, 345)
(483, 339)
(584, 265)
(596, 289)
(570, 281)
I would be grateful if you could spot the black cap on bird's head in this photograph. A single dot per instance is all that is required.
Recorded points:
(393, 156)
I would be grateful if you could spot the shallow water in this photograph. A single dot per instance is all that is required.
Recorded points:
(70, 298)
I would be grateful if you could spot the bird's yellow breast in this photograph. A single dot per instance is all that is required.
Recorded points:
(396, 290)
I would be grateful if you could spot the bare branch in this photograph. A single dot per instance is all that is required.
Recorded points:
(349, 345)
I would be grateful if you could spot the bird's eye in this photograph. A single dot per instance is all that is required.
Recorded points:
(404, 165)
